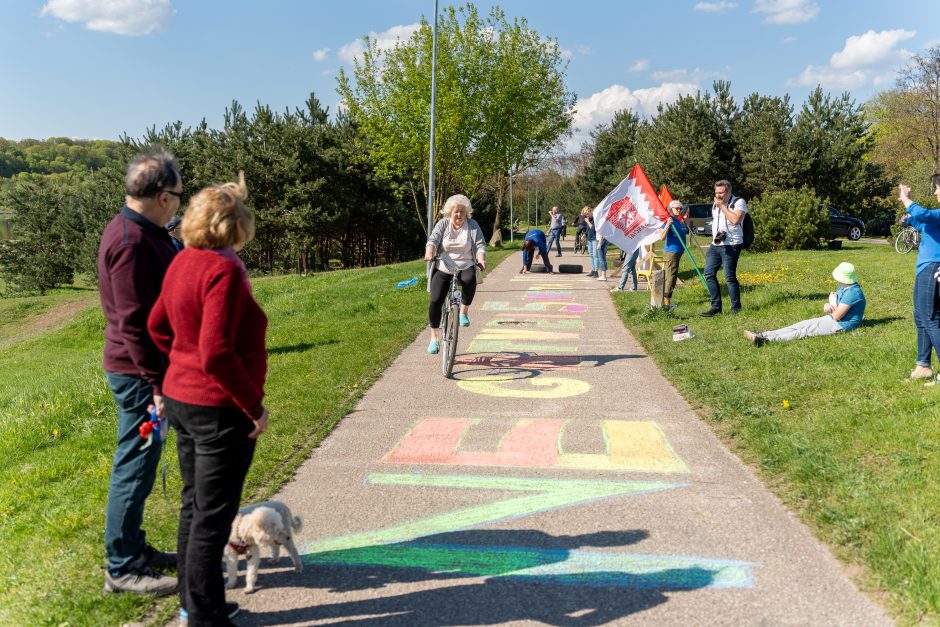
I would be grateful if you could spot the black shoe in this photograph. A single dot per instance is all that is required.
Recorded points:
(735, 312)
(755, 338)
(558, 255)
(711, 313)
(158, 559)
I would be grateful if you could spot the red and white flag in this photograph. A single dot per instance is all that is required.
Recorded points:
(628, 217)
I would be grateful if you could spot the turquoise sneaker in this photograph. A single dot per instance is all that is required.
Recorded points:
(434, 347)
(464, 320)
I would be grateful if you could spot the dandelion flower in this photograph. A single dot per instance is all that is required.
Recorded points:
(786, 404)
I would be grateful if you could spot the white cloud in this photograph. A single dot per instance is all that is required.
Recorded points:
(122, 17)
(600, 107)
(871, 49)
(865, 60)
(684, 76)
(788, 40)
(385, 40)
(320, 55)
(831, 78)
(583, 50)
(326, 73)
(639, 65)
(787, 11)
(714, 7)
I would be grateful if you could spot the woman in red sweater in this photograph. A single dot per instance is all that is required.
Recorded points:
(209, 324)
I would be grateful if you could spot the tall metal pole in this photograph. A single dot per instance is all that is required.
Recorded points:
(512, 226)
(433, 121)
(528, 207)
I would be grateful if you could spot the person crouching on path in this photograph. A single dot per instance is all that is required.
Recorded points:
(926, 286)
(458, 244)
(535, 239)
(673, 249)
(844, 312)
(208, 323)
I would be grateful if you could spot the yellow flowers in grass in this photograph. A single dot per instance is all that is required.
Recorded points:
(786, 404)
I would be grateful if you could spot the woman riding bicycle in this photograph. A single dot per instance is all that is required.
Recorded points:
(458, 245)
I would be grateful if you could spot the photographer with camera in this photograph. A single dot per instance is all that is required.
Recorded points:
(727, 242)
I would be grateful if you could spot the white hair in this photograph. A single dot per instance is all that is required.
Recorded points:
(457, 200)
(675, 204)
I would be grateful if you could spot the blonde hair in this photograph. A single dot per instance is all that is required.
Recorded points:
(214, 215)
(457, 200)
(586, 211)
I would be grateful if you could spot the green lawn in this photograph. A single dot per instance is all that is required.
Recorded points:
(830, 422)
(330, 336)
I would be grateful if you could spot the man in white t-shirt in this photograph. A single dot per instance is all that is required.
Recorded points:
(727, 242)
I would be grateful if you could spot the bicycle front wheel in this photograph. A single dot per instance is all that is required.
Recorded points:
(451, 328)
(905, 241)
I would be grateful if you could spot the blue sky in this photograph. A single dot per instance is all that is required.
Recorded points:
(99, 68)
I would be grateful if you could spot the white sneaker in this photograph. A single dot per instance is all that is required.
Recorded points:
(601, 278)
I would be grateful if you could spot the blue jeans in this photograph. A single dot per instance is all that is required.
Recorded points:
(592, 253)
(554, 236)
(132, 473)
(927, 314)
(725, 257)
(601, 255)
(629, 269)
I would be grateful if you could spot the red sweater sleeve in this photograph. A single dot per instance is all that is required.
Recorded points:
(223, 309)
(158, 323)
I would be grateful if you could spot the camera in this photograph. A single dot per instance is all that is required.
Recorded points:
(720, 236)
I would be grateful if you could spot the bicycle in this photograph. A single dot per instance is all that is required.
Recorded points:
(580, 242)
(450, 326)
(907, 240)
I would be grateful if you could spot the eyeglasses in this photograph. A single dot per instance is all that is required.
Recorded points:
(177, 194)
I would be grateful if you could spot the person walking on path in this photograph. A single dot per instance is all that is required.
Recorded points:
(535, 239)
(727, 242)
(590, 237)
(554, 230)
(927, 275)
(457, 242)
(208, 323)
(564, 226)
(673, 249)
(133, 257)
(844, 312)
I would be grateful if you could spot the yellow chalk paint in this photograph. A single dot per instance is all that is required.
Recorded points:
(548, 387)
(524, 334)
(631, 445)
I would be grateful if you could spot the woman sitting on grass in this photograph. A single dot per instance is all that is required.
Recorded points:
(458, 244)
(844, 312)
(926, 288)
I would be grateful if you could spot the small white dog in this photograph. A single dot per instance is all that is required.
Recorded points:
(263, 524)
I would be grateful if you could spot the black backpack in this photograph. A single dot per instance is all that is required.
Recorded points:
(747, 227)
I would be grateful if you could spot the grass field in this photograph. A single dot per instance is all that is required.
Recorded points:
(330, 336)
(830, 422)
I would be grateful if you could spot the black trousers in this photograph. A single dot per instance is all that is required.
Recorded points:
(440, 289)
(214, 455)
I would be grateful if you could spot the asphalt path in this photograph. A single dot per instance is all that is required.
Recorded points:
(557, 479)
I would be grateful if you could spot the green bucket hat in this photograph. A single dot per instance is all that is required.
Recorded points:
(845, 273)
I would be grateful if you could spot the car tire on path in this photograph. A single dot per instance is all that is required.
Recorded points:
(570, 268)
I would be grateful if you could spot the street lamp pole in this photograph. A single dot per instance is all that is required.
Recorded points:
(512, 226)
(433, 121)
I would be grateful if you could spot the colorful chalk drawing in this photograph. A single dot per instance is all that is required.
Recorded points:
(509, 361)
(549, 387)
(505, 346)
(562, 322)
(637, 446)
(395, 546)
(524, 334)
(502, 305)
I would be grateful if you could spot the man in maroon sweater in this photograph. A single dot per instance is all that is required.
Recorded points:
(133, 257)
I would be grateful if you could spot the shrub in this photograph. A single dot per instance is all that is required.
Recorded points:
(789, 220)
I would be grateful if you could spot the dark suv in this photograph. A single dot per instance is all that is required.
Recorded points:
(841, 225)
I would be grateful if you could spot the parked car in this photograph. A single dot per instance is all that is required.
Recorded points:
(841, 225)
(699, 219)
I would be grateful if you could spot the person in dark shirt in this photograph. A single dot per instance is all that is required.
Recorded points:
(176, 237)
(535, 240)
(133, 257)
